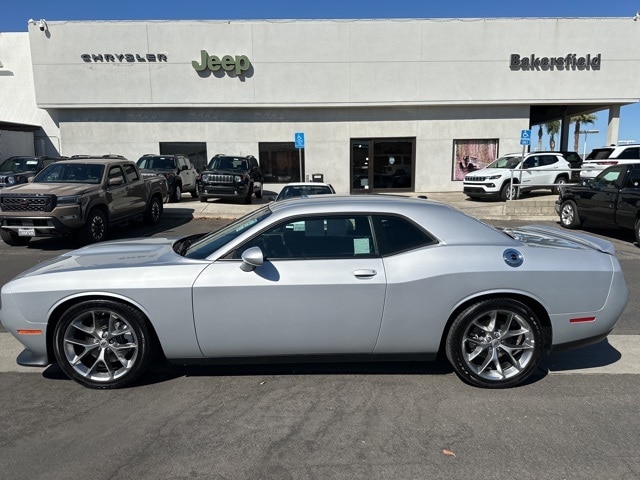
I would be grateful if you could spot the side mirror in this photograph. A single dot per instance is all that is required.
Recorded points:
(114, 182)
(184, 167)
(586, 182)
(251, 258)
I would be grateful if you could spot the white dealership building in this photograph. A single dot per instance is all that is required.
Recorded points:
(371, 105)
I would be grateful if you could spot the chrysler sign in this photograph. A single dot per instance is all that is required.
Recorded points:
(569, 62)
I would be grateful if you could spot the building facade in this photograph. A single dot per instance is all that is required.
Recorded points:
(377, 105)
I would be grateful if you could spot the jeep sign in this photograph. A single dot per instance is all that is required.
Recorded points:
(239, 63)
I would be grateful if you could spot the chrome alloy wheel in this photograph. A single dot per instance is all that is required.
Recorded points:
(567, 214)
(498, 345)
(100, 345)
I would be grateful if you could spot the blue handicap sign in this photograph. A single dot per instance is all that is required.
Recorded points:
(525, 137)
(299, 139)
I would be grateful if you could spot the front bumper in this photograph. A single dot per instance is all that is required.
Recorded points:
(476, 190)
(207, 190)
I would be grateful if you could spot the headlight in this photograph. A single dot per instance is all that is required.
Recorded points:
(494, 177)
(205, 178)
(71, 200)
(237, 179)
(11, 180)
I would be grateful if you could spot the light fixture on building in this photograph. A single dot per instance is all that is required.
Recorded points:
(42, 24)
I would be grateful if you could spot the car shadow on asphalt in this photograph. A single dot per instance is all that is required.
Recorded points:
(600, 354)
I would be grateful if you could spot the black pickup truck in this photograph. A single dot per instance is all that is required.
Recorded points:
(610, 199)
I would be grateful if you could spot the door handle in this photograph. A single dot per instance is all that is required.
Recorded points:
(365, 273)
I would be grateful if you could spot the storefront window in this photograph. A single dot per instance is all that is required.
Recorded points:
(382, 164)
(280, 162)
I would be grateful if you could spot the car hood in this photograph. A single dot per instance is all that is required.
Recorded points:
(488, 172)
(59, 189)
(541, 236)
(112, 255)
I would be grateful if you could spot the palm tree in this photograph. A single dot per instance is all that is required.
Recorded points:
(581, 120)
(552, 129)
(539, 137)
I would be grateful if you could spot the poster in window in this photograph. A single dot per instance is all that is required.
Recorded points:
(472, 155)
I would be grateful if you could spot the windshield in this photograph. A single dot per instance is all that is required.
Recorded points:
(227, 163)
(156, 163)
(505, 162)
(70, 173)
(19, 164)
(303, 190)
(208, 244)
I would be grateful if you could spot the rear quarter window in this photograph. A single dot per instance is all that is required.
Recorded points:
(396, 234)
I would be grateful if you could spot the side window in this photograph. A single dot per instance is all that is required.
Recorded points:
(338, 236)
(115, 173)
(633, 179)
(630, 154)
(531, 162)
(130, 172)
(397, 234)
(608, 178)
(547, 160)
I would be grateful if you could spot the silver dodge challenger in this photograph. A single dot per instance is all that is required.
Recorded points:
(317, 279)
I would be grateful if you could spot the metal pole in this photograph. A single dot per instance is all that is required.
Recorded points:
(300, 161)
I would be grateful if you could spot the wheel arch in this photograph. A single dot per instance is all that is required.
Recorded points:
(100, 206)
(58, 310)
(532, 303)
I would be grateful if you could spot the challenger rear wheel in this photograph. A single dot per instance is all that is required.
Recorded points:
(102, 344)
(495, 343)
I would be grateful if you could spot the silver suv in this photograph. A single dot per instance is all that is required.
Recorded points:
(177, 169)
(509, 176)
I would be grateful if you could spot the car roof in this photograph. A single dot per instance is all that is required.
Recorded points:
(445, 222)
(306, 184)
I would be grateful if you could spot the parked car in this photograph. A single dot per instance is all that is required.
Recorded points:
(81, 196)
(611, 199)
(180, 173)
(510, 176)
(327, 276)
(603, 157)
(18, 170)
(304, 189)
(232, 177)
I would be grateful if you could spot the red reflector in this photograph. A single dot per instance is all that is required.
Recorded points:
(608, 162)
(582, 320)
(29, 332)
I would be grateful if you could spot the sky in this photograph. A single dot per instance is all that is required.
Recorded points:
(14, 15)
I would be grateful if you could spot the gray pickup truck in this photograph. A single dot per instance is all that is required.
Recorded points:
(611, 199)
(83, 196)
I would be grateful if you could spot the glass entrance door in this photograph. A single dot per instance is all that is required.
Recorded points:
(382, 165)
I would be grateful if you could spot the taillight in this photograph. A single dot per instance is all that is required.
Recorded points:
(608, 162)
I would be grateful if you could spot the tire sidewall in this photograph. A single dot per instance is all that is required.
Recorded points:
(133, 317)
(454, 348)
(569, 204)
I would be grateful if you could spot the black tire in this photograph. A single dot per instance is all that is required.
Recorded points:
(13, 239)
(569, 216)
(203, 199)
(561, 180)
(259, 193)
(154, 211)
(637, 231)
(102, 344)
(247, 197)
(95, 228)
(195, 193)
(508, 193)
(495, 343)
(176, 195)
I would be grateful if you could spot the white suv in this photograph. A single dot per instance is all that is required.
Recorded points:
(538, 171)
(603, 157)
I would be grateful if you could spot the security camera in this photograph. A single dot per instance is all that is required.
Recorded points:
(42, 25)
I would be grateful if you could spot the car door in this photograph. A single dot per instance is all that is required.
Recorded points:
(628, 203)
(320, 290)
(186, 174)
(136, 191)
(116, 192)
(599, 202)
